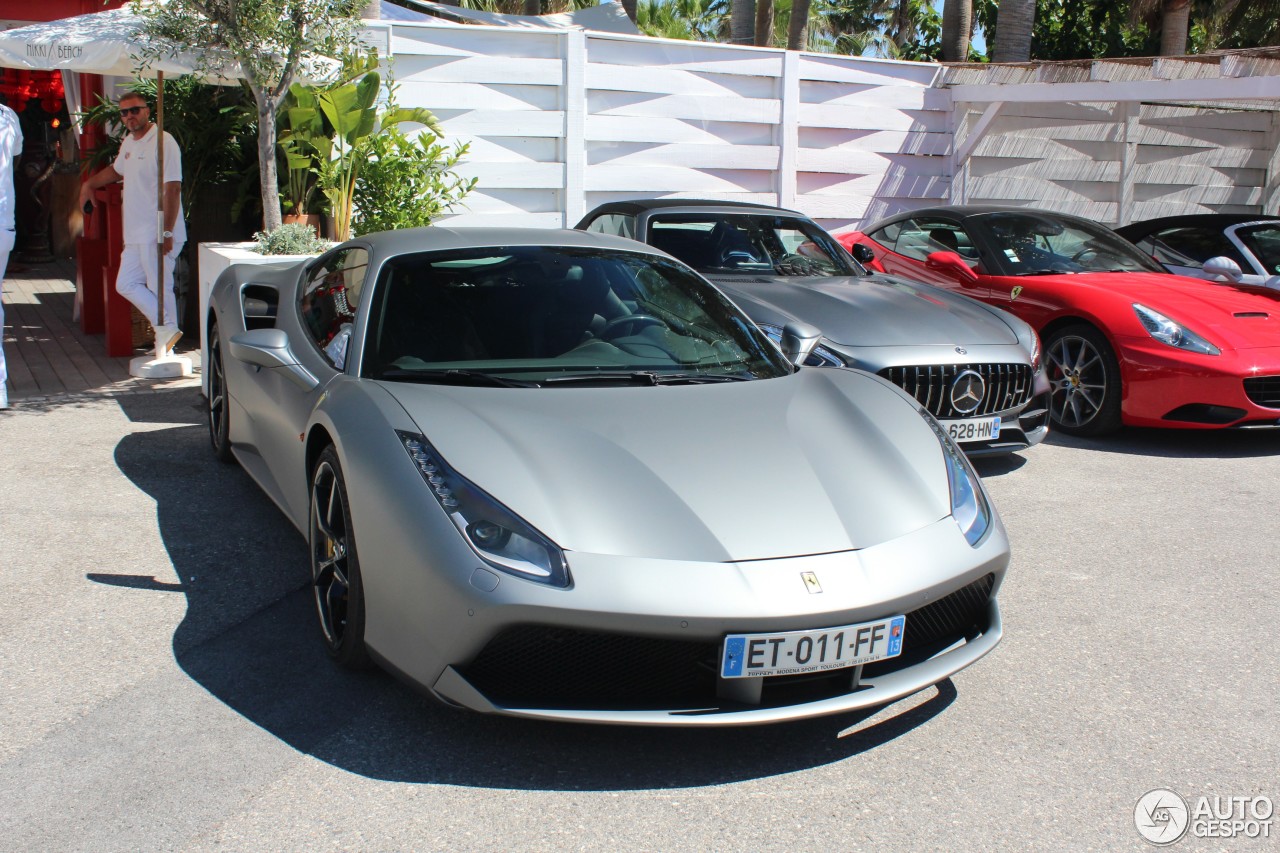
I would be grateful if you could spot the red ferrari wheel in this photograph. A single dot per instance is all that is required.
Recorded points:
(1085, 381)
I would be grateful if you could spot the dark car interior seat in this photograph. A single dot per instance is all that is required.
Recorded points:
(946, 238)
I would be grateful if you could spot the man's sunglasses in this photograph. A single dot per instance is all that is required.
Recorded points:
(131, 111)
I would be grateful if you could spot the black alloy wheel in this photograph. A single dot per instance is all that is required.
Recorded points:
(335, 567)
(1084, 380)
(219, 404)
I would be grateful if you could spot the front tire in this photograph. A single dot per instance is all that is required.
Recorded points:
(335, 566)
(219, 403)
(1084, 379)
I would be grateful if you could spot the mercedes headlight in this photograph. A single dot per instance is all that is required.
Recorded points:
(501, 538)
(969, 505)
(1174, 334)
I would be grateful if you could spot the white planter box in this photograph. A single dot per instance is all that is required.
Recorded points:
(214, 258)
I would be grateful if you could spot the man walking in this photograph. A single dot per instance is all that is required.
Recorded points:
(10, 148)
(136, 165)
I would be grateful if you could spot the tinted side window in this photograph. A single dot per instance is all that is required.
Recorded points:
(330, 298)
(920, 238)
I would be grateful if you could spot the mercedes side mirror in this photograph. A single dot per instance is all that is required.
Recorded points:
(862, 253)
(1223, 268)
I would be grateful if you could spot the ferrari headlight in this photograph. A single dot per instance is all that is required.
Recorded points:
(501, 538)
(1166, 331)
(969, 505)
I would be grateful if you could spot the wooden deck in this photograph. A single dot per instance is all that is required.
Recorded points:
(46, 353)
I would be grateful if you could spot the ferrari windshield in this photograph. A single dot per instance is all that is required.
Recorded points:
(1036, 244)
(719, 243)
(1264, 242)
(525, 315)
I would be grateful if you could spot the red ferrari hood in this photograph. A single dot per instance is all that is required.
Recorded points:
(1237, 316)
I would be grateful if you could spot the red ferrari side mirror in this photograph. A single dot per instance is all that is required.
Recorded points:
(954, 265)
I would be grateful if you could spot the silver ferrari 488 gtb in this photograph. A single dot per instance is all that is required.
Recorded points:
(558, 475)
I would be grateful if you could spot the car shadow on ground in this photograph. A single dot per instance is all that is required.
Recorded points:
(1178, 443)
(249, 638)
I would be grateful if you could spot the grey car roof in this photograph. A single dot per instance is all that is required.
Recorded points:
(437, 238)
(640, 205)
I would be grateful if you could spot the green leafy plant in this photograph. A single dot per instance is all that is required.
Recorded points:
(292, 238)
(335, 125)
(407, 181)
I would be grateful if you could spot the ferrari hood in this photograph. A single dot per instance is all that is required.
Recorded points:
(817, 462)
(875, 310)
(1235, 315)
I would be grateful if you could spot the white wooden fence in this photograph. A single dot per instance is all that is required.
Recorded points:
(560, 121)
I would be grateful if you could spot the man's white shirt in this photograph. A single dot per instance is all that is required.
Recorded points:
(137, 165)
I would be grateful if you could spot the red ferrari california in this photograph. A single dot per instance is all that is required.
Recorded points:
(1125, 342)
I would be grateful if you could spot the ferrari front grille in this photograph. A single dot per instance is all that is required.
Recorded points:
(1264, 391)
(1006, 386)
(547, 667)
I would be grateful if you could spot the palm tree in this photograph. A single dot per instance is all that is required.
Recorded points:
(764, 23)
(957, 25)
(1014, 21)
(742, 22)
(1175, 22)
(798, 25)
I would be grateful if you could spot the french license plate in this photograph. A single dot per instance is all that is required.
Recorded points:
(795, 652)
(974, 429)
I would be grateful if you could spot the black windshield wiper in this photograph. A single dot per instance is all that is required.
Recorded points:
(454, 376)
(646, 377)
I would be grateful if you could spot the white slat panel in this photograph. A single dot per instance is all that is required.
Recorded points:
(846, 69)
(719, 156)
(640, 129)
(1197, 194)
(409, 39)
(514, 175)
(512, 149)
(654, 181)
(881, 97)
(821, 115)
(880, 141)
(853, 161)
(1241, 158)
(1177, 171)
(695, 107)
(444, 95)
(480, 69)
(594, 199)
(1048, 170)
(674, 81)
(686, 55)
(1039, 147)
(503, 200)
(501, 123)
(899, 185)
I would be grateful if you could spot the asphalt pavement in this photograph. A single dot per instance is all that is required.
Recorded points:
(162, 685)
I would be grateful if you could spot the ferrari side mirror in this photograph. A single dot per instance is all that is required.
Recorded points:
(950, 262)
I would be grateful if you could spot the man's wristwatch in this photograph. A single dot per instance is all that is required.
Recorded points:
(168, 234)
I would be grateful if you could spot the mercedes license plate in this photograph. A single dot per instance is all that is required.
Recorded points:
(795, 652)
(974, 429)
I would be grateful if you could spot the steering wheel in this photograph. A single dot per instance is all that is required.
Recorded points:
(796, 265)
(639, 320)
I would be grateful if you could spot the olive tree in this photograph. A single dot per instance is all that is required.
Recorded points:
(275, 42)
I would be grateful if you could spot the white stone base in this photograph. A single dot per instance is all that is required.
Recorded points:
(150, 367)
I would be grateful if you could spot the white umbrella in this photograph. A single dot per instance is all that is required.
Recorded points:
(110, 42)
(113, 43)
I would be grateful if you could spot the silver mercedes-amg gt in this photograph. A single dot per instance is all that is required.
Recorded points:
(975, 367)
(557, 475)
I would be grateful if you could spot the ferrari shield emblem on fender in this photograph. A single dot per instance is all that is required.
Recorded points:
(1015, 293)
(811, 582)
